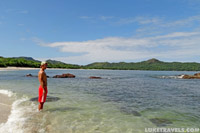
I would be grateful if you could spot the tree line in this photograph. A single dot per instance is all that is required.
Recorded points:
(152, 64)
(29, 62)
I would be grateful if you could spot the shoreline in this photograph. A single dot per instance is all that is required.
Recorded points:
(31, 68)
(5, 108)
(18, 68)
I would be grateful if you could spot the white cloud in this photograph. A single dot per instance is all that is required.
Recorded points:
(170, 45)
(149, 21)
(188, 21)
(139, 20)
(177, 34)
(114, 49)
(163, 26)
(160, 22)
(160, 25)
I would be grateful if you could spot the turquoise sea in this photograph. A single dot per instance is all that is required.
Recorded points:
(121, 102)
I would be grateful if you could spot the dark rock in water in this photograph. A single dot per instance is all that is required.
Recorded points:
(68, 75)
(49, 99)
(195, 76)
(129, 112)
(93, 77)
(160, 122)
(29, 75)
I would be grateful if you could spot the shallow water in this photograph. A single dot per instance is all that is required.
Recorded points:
(122, 101)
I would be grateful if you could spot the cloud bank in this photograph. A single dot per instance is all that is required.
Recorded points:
(177, 45)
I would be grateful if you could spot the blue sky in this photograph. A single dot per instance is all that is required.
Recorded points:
(86, 31)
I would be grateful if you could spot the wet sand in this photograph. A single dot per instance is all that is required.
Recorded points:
(5, 108)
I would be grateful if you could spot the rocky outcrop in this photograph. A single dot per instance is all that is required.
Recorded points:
(94, 77)
(195, 76)
(29, 75)
(67, 75)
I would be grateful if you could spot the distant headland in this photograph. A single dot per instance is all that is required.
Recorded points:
(151, 64)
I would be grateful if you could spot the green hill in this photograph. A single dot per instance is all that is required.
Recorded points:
(19, 62)
(30, 62)
(152, 64)
(59, 64)
(26, 58)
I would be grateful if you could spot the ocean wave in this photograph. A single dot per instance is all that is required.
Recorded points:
(17, 118)
(6, 92)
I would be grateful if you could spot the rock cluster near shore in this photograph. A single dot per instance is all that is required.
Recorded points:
(93, 77)
(67, 75)
(195, 76)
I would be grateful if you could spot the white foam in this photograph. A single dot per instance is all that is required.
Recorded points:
(172, 77)
(6, 92)
(181, 76)
(17, 119)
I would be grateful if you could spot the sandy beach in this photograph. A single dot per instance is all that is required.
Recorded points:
(5, 108)
(17, 68)
(29, 68)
